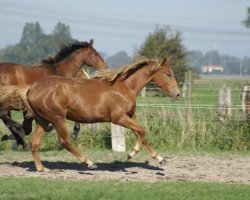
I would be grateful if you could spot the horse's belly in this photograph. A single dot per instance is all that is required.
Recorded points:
(89, 116)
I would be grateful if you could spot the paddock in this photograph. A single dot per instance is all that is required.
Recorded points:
(227, 168)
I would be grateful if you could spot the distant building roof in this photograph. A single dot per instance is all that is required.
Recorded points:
(211, 68)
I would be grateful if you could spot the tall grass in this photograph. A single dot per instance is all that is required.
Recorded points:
(179, 129)
(166, 129)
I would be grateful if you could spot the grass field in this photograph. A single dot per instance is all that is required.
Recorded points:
(37, 188)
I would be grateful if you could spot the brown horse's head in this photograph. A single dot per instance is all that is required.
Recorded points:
(165, 79)
(94, 59)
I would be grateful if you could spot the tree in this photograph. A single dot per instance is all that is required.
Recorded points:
(35, 44)
(61, 33)
(230, 64)
(246, 22)
(212, 58)
(196, 59)
(245, 68)
(119, 59)
(32, 32)
(163, 43)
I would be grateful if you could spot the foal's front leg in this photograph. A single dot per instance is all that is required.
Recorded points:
(139, 131)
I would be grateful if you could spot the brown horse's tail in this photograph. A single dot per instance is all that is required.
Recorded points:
(16, 97)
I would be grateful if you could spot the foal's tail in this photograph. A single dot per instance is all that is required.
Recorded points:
(16, 97)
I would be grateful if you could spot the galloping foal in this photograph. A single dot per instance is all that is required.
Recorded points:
(108, 97)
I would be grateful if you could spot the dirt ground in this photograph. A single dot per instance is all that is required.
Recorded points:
(226, 169)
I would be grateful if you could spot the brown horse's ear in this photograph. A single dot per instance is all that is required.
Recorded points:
(161, 64)
(91, 42)
(167, 61)
(164, 61)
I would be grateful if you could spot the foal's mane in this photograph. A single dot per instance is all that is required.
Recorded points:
(112, 75)
(64, 51)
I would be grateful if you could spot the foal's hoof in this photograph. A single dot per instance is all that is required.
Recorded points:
(4, 137)
(42, 169)
(26, 147)
(129, 157)
(7, 137)
(163, 161)
(93, 166)
(73, 137)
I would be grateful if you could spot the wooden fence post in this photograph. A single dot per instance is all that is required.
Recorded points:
(224, 110)
(143, 92)
(189, 82)
(245, 100)
(118, 138)
(184, 87)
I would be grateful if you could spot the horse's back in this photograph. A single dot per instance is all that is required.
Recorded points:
(10, 74)
(16, 74)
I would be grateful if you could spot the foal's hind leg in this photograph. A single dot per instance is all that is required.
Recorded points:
(63, 135)
(34, 144)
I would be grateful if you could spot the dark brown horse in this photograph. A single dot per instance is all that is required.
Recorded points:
(108, 97)
(67, 62)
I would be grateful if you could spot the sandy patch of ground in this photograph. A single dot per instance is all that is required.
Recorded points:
(227, 169)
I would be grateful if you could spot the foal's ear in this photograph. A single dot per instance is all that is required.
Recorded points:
(166, 61)
(91, 42)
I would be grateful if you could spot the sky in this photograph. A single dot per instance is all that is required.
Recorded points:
(122, 25)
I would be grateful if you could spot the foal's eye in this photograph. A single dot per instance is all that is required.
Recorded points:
(169, 75)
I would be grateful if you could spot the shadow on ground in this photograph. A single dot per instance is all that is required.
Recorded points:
(60, 165)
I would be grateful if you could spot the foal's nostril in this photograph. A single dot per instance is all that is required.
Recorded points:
(177, 95)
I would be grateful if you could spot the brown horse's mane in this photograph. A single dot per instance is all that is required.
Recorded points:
(64, 51)
(126, 71)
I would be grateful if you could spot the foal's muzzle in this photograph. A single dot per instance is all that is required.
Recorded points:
(175, 95)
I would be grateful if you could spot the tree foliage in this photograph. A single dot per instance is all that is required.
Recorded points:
(246, 22)
(119, 59)
(232, 65)
(163, 43)
(35, 45)
(196, 60)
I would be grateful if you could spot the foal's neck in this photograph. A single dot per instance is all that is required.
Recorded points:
(137, 81)
(71, 65)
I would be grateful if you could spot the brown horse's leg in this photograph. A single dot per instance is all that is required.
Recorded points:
(27, 124)
(139, 131)
(64, 138)
(34, 144)
(76, 130)
(15, 128)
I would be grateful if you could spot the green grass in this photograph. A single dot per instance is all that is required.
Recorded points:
(37, 188)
